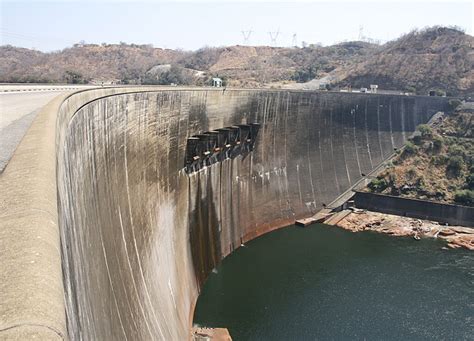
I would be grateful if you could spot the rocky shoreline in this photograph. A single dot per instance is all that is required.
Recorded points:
(357, 220)
(208, 334)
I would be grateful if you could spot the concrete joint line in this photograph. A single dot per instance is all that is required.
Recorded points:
(54, 330)
(28, 212)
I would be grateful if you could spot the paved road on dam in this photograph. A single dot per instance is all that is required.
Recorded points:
(18, 108)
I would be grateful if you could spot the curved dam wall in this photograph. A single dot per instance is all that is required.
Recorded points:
(140, 236)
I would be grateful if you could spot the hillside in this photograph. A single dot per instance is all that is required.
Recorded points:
(82, 63)
(437, 164)
(240, 65)
(260, 65)
(436, 58)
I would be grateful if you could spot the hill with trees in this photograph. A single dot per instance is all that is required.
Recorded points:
(436, 164)
(435, 58)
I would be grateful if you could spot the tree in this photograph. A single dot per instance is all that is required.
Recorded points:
(74, 77)
(305, 74)
(378, 185)
(464, 197)
(455, 164)
(175, 75)
(470, 181)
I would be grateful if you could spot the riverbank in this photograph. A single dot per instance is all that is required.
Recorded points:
(357, 220)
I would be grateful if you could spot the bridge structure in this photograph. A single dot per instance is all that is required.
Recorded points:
(104, 233)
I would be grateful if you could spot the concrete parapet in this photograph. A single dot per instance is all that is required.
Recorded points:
(415, 208)
(31, 287)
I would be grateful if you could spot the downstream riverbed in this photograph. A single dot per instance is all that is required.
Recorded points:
(322, 282)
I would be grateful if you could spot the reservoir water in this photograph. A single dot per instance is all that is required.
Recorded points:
(325, 283)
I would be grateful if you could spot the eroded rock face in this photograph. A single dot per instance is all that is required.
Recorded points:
(140, 235)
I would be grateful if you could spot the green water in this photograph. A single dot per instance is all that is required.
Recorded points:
(325, 283)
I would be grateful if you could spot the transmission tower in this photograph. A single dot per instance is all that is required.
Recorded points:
(294, 42)
(274, 36)
(361, 33)
(246, 35)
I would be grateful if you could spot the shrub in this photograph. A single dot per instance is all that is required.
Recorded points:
(454, 103)
(202, 59)
(417, 139)
(420, 183)
(437, 142)
(411, 172)
(464, 197)
(455, 164)
(304, 75)
(410, 148)
(439, 160)
(456, 150)
(74, 77)
(175, 75)
(378, 185)
(470, 181)
(425, 130)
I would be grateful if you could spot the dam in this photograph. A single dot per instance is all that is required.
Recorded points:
(124, 237)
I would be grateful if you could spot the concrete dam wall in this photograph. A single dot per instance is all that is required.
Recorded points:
(140, 235)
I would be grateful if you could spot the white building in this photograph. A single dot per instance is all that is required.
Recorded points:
(216, 82)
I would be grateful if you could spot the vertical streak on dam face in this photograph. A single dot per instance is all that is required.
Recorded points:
(140, 236)
(204, 231)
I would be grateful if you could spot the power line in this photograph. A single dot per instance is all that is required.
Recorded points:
(14, 35)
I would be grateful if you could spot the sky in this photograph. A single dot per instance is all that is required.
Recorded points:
(189, 25)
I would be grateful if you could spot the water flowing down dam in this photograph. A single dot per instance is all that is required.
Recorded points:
(140, 234)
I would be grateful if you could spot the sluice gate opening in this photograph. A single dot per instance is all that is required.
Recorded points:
(205, 149)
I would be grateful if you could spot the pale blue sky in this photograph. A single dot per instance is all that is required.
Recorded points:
(53, 25)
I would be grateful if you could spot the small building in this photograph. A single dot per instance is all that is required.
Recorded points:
(216, 82)
(373, 88)
(438, 92)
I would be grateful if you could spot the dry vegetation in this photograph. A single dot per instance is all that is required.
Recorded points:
(240, 65)
(81, 64)
(436, 164)
(436, 58)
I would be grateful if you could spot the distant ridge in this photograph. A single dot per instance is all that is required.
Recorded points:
(434, 58)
